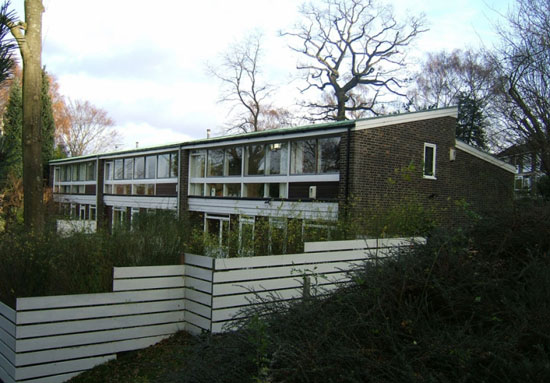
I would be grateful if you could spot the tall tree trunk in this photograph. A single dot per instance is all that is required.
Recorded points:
(29, 39)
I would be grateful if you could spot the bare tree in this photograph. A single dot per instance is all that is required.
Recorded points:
(524, 64)
(244, 89)
(28, 35)
(90, 130)
(464, 78)
(351, 48)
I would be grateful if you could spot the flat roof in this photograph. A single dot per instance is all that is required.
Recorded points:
(326, 126)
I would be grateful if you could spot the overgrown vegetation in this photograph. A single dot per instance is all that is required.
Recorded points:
(470, 306)
(38, 265)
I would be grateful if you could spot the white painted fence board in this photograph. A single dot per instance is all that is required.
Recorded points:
(279, 272)
(197, 296)
(254, 298)
(192, 329)
(197, 272)
(147, 283)
(198, 284)
(7, 339)
(28, 317)
(7, 325)
(7, 352)
(59, 341)
(199, 260)
(230, 288)
(59, 328)
(61, 301)
(360, 244)
(43, 370)
(4, 375)
(148, 271)
(197, 321)
(55, 378)
(297, 259)
(85, 351)
(7, 312)
(197, 308)
(7, 362)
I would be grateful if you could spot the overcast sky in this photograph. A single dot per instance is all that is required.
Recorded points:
(143, 61)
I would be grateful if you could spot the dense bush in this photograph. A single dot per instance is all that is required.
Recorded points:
(83, 263)
(470, 306)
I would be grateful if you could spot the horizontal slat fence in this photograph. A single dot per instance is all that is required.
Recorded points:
(219, 291)
(51, 339)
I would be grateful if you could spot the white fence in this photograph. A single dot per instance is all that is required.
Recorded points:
(51, 339)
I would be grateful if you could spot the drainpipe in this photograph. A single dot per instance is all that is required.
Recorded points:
(348, 148)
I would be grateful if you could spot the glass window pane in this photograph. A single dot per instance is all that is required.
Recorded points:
(255, 160)
(74, 169)
(150, 166)
(57, 172)
(233, 161)
(429, 160)
(82, 172)
(139, 167)
(303, 157)
(196, 189)
(128, 168)
(232, 190)
(215, 163)
(163, 166)
(278, 158)
(108, 189)
(108, 170)
(329, 154)
(173, 165)
(197, 163)
(254, 190)
(215, 190)
(90, 171)
(119, 169)
(276, 190)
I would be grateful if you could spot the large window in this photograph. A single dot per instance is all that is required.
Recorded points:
(174, 165)
(329, 154)
(128, 168)
(119, 169)
(163, 166)
(429, 160)
(277, 157)
(197, 163)
(233, 161)
(215, 163)
(139, 167)
(304, 157)
(90, 171)
(150, 166)
(255, 160)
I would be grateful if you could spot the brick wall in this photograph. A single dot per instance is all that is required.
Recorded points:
(386, 168)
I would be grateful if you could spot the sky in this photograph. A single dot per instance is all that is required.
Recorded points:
(144, 62)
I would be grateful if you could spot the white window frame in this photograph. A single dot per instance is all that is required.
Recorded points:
(434, 157)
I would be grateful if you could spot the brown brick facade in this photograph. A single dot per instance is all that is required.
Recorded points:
(386, 169)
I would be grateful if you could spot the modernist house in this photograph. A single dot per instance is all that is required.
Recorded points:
(528, 165)
(308, 173)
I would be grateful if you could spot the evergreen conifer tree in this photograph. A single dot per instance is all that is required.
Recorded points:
(471, 123)
(48, 125)
(12, 155)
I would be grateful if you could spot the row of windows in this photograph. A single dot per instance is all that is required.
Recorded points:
(84, 171)
(130, 189)
(143, 167)
(312, 156)
(250, 190)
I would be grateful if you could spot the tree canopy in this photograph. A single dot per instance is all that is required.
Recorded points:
(352, 53)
